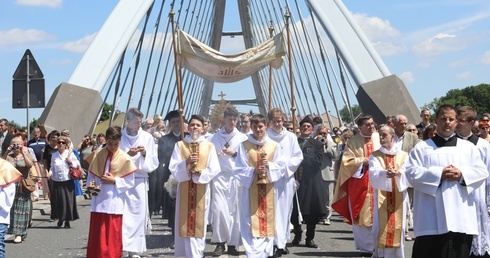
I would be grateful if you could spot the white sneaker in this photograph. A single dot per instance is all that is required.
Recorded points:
(134, 255)
(18, 240)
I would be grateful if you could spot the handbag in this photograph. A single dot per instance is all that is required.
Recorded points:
(75, 173)
(28, 185)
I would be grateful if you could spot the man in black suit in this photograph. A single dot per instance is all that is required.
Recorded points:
(5, 135)
(310, 193)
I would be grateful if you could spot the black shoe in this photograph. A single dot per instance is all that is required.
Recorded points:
(67, 224)
(60, 223)
(296, 240)
(311, 244)
(219, 250)
(232, 250)
(285, 250)
(277, 252)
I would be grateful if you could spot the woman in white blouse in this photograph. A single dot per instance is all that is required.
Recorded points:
(63, 199)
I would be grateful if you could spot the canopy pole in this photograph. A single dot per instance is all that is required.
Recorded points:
(271, 31)
(178, 78)
(290, 60)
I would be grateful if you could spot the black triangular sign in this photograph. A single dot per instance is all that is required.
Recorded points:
(34, 70)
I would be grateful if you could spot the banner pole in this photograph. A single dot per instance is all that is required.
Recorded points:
(271, 31)
(290, 60)
(178, 78)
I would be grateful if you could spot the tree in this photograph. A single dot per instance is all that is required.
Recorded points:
(106, 112)
(345, 115)
(478, 97)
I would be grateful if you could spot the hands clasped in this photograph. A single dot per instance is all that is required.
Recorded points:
(451, 173)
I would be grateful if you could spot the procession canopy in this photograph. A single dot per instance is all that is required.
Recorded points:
(212, 65)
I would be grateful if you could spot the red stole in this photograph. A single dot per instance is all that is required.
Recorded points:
(362, 191)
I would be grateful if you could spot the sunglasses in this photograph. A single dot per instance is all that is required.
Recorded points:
(61, 142)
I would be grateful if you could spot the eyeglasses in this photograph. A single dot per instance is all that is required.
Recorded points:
(61, 142)
(412, 130)
(323, 133)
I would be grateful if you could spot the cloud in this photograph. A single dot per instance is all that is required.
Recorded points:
(485, 59)
(439, 43)
(80, 45)
(16, 37)
(388, 48)
(407, 77)
(464, 75)
(375, 27)
(47, 3)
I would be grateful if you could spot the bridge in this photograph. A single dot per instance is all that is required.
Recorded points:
(328, 62)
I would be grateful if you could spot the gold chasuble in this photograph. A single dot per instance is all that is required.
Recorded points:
(261, 195)
(192, 195)
(8, 173)
(390, 204)
(120, 166)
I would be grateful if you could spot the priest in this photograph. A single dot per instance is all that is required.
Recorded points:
(387, 176)
(353, 197)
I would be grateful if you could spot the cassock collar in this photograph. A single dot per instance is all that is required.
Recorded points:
(472, 138)
(176, 134)
(223, 132)
(263, 142)
(442, 142)
(365, 136)
(189, 139)
(276, 136)
(393, 151)
(132, 137)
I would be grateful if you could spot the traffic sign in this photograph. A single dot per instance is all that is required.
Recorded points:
(34, 70)
(28, 78)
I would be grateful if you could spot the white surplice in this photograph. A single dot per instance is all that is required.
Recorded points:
(284, 187)
(191, 246)
(481, 243)
(136, 215)
(379, 180)
(111, 198)
(254, 246)
(441, 206)
(224, 190)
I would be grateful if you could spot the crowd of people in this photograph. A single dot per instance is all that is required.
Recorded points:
(254, 181)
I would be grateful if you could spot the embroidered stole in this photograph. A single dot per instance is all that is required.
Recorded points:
(192, 195)
(390, 207)
(261, 195)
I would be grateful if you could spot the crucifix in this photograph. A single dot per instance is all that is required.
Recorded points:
(222, 95)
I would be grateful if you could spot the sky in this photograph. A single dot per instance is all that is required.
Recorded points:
(432, 45)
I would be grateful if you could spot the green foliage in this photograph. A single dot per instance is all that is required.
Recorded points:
(478, 97)
(17, 125)
(344, 113)
(33, 123)
(106, 112)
